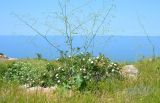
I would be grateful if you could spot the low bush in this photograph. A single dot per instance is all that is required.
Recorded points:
(74, 72)
(25, 73)
(77, 71)
(4, 65)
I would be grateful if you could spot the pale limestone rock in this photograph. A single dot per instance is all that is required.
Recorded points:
(129, 71)
(41, 89)
(12, 59)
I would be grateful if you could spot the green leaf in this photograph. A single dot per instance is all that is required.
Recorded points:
(78, 80)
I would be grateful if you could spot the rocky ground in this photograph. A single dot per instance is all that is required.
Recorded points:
(5, 57)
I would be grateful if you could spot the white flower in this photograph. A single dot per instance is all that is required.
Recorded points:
(112, 70)
(91, 62)
(80, 69)
(112, 63)
(56, 75)
(109, 65)
(42, 82)
(89, 59)
(84, 69)
(115, 64)
(59, 68)
(85, 77)
(107, 73)
(97, 57)
(83, 59)
(58, 81)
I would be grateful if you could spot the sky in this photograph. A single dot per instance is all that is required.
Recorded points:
(123, 22)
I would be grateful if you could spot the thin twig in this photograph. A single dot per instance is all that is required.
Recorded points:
(148, 38)
(39, 33)
(102, 22)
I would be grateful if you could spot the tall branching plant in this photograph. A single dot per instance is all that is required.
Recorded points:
(148, 38)
(72, 25)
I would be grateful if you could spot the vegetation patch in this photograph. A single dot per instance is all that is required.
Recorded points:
(74, 72)
(109, 88)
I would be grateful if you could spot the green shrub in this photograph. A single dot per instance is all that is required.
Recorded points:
(76, 71)
(4, 67)
(25, 73)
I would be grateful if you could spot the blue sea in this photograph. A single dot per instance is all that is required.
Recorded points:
(117, 48)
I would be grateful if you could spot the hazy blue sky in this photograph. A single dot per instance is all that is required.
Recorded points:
(124, 22)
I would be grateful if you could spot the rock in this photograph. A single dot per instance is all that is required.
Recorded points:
(40, 89)
(34, 89)
(12, 58)
(4, 57)
(129, 71)
(24, 86)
